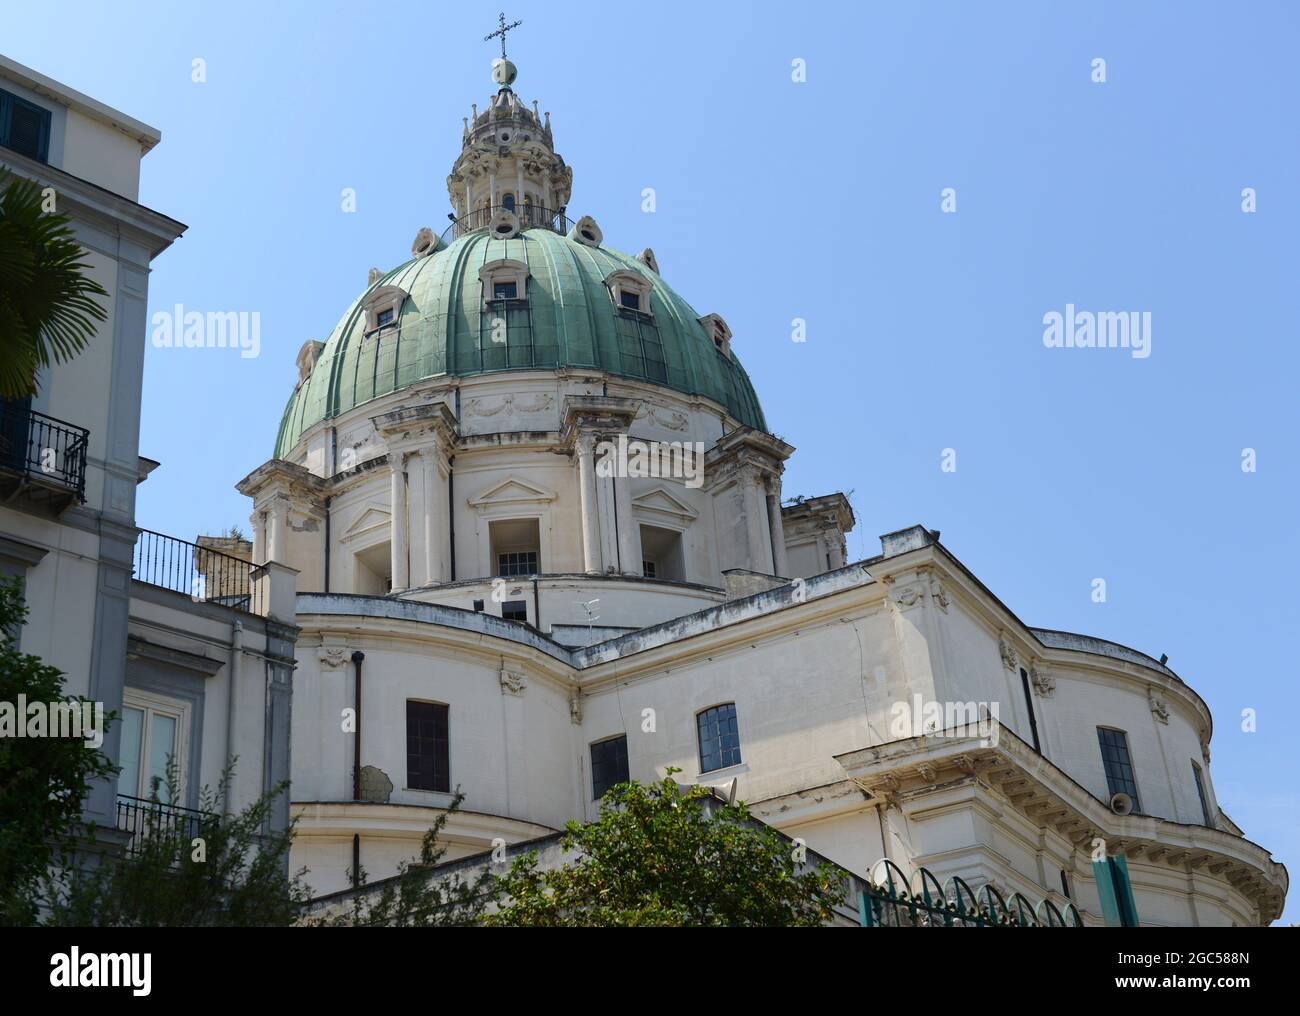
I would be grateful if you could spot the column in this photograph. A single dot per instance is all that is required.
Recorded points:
(587, 494)
(756, 525)
(776, 526)
(836, 551)
(398, 530)
(605, 522)
(629, 533)
(258, 519)
(278, 543)
(432, 505)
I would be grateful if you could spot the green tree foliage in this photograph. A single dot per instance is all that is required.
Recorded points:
(417, 896)
(42, 779)
(48, 310)
(229, 871)
(657, 856)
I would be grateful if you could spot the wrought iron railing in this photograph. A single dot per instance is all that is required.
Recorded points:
(892, 900)
(146, 818)
(530, 217)
(41, 449)
(201, 573)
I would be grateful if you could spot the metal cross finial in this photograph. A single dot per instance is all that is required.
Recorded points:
(502, 32)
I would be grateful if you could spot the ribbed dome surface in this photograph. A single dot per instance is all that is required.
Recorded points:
(570, 322)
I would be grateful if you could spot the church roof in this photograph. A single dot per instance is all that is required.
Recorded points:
(441, 328)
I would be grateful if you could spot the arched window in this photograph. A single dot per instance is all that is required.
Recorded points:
(509, 201)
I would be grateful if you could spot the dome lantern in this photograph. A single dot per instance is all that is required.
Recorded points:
(508, 163)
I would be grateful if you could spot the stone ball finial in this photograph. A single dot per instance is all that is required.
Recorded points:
(504, 72)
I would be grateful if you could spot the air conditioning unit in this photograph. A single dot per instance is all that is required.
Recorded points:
(1121, 804)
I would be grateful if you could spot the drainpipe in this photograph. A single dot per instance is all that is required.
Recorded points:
(357, 658)
(451, 514)
(334, 468)
(327, 543)
(537, 605)
(236, 651)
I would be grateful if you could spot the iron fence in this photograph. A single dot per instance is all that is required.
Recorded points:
(893, 900)
(147, 819)
(42, 449)
(530, 217)
(201, 573)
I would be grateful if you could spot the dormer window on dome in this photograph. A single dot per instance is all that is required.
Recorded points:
(630, 290)
(504, 279)
(718, 332)
(641, 349)
(383, 307)
(505, 322)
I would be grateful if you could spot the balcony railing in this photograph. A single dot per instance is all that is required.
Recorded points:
(42, 457)
(201, 573)
(530, 217)
(146, 818)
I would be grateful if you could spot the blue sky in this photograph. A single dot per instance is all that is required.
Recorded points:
(818, 200)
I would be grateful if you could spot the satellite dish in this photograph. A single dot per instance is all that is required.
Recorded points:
(1121, 804)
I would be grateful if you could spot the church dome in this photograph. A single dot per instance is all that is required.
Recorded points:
(438, 314)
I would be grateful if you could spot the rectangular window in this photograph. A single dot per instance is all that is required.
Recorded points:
(608, 765)
(719, 738)
(24, 127)
(1120, 778)
(521, 563)
(1200, 792)
(385, 318)
(632, 301)
(150, 751)
(428, 755)
(505, 290)
(1029, 704)
(515, 610)
(661, 554)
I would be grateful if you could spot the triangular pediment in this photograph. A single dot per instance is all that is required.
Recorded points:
(369, 519)
(661, 500)
(512, 490)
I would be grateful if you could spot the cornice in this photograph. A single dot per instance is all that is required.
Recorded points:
(908, 769)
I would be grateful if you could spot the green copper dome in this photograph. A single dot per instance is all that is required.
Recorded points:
(569, 320)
